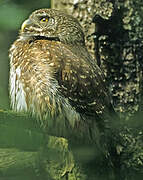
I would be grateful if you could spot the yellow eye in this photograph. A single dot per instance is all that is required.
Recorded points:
(44, 19)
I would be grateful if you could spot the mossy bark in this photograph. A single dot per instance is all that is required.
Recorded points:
(26, 154)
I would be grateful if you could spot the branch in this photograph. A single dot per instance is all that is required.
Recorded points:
(24, 151)
(19, 120)
(15, 162)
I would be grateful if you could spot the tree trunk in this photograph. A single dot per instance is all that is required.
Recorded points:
(114, 37)
(116, 45)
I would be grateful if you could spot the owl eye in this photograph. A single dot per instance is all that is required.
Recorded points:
(44, 19)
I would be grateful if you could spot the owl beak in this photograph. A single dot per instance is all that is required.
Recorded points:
(25, 24)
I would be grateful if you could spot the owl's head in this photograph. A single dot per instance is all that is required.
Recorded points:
(53, 25)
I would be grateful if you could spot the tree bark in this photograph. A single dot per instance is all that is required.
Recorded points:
(113, 31)
(116, 45)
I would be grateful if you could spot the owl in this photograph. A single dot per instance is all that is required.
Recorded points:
(54, 78)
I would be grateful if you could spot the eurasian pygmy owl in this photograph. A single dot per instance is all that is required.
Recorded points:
(53, 77)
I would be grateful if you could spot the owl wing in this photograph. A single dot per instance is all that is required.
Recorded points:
(83, 84)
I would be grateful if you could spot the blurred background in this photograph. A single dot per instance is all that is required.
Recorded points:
(12, 14)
